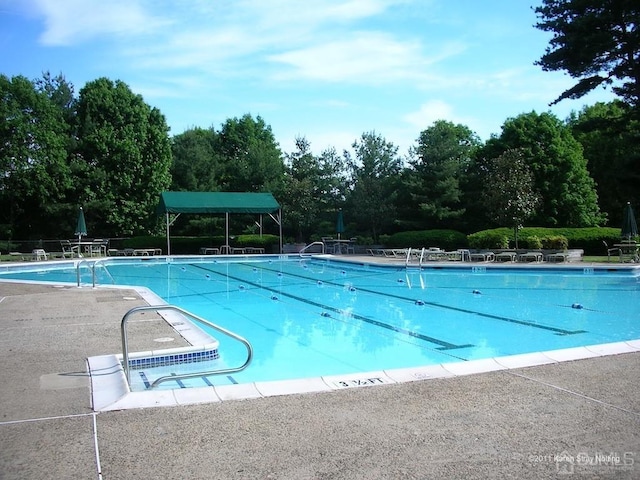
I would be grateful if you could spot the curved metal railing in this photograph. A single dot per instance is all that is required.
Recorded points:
(304, 249)
(158, 381)
(92, 264)
(409, 256)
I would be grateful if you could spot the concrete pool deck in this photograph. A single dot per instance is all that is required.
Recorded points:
(539, 422)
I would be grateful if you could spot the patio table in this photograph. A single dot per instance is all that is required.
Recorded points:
(628, 251)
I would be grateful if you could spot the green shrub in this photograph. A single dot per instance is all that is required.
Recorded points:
(7, 246)
(555, 242)
(588, 239)
(532, 243)
(489, 239)
(271, 243)
(384, 239)
(447, 239)
(146, 241)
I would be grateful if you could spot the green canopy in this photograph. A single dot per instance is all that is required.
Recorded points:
(218, 202)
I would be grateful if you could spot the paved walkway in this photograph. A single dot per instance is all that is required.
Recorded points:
(580, 417)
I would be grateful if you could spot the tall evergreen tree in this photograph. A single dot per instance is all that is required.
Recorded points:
(374, 174)
(441, 159)
(596, 42)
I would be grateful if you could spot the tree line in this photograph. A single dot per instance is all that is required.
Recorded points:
(107, 150)
(110, 152)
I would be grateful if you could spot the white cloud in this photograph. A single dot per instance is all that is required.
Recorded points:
(362, 57)
(430, 112)
(71, 21)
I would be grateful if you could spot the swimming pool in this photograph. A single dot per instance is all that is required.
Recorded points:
(313, 317)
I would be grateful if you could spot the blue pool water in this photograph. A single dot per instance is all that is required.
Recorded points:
(312, 317)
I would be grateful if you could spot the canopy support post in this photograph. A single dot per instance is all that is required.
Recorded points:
(169, 223)
(226, 218)
(278, 220)
(168, 238)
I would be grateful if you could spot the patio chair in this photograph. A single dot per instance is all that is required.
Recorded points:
(39, 254)
(98, 247)
(351, 246)
(68, 250)
(610, 251)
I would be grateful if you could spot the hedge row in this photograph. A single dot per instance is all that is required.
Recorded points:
(588, 239)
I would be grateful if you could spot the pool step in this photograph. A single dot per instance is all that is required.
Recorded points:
(142, 380)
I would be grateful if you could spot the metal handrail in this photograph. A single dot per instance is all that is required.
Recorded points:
(78, 265)
(408, 259)
(302, 250)
(92, 264)
(158, 381)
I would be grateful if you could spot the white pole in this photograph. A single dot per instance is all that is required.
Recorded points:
(226, 216)
(168, 242)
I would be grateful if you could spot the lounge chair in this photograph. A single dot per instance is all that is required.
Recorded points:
(557, 257)
(506, 257)
(530, 257)
(434, 253)
(482, 257)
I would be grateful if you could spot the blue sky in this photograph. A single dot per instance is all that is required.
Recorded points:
(327, 70)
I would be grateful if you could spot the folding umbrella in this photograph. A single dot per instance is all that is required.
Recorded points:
(629, 225)
(340, 224)
(81, 227)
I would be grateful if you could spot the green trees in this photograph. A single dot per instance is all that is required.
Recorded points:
(508, 190)
(251, 156)
(300, 190)
(596, 42)
(374, 183)
(106, 150)
(197, 165)
(610, 136)
(34, 174)
(559, 169)
(125, 147)
(441, 158)
(110, 152)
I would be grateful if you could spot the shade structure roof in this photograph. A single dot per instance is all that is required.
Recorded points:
(177, 203)
(217, 202)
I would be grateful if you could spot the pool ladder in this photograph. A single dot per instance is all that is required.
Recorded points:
(410, 254)
(92, 265)
(173, 377)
